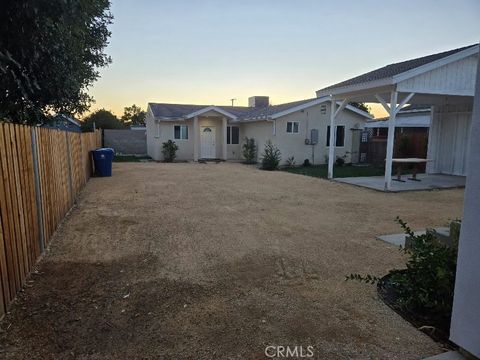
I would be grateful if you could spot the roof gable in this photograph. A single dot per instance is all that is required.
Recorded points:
(403, 70)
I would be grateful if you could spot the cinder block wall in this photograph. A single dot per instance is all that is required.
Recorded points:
(131, 142)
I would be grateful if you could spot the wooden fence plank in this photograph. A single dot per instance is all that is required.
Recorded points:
(9, 211)
(4, 226)
(4, 295)
(63, 166)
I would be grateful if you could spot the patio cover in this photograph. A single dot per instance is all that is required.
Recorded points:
(446, 78)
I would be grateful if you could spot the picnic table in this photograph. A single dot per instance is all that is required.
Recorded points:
(415, 161)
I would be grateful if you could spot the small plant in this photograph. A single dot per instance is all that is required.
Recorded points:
(271, 157)
(291, 161)
(249, 150)
(340, 161)
(426, 286)
(169, 151)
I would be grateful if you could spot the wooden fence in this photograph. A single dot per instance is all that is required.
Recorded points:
(41, 173)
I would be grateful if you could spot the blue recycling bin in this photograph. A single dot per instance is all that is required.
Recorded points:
(102, 159)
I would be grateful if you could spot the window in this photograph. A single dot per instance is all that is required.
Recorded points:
(339, 136)
(292, 127)
(180, 132)
(233, 135)
(323, 109)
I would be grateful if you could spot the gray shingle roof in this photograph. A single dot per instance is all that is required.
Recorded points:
(175, 111)
(395, 69)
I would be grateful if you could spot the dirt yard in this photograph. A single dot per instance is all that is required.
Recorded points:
(202, 261)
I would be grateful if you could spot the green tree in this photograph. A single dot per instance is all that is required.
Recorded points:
(133, 115)
(50, 52)
(361, 106)
(103, 119)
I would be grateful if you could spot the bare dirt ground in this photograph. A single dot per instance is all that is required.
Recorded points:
(201, 261)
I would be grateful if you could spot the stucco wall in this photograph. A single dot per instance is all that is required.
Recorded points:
(294, 144)
(159, 133)
(262, 131)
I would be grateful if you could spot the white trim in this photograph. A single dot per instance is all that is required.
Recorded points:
(317, 102)
(402, 76)
(210, 108)
(188, 132)
(436, 64)
(404, 101)
(342, 106)
(299, 107)
(355, 87)
(293, 132)
(358, 111)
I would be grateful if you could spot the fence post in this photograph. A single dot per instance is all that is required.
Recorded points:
(38, 189)
(69, 168)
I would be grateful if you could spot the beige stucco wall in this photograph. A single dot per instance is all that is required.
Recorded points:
(159, 133)
(262, 131)
(294, 144)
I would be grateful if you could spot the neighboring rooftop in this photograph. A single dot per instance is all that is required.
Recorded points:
(395, 69)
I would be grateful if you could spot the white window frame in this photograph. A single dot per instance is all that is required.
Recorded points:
(229, 129)
(335, 134)
(181, 125)
(293, 127)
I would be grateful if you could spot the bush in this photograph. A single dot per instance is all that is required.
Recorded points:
(271, 157)
(291, 161)
(249, 150)
(169, 151)
(340, 161)
(306, 163)
(426, 286)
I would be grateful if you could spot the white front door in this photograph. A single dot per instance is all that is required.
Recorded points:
(207, 142)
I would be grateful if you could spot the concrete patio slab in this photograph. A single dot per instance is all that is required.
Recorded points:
(399, 239)
(449, 355)
(428, 182)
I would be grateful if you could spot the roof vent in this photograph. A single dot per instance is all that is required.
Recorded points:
(258, 101)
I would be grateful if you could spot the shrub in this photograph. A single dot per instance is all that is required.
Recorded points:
(426, 286)
(271, 157)
(169, 151)
(340, 161)
(291, 161)
(306, 163)
(249, 150)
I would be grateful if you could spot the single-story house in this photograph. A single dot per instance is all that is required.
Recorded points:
(218, 132)
(445, 80)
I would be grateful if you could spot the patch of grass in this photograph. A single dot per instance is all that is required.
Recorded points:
(131, 158)
(338, 171)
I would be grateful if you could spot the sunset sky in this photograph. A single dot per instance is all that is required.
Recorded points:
(207, 52)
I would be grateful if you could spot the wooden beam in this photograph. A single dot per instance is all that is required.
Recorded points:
(390, 140)
(342, 106)
(404, 101)
(331, 147)
(385, 105)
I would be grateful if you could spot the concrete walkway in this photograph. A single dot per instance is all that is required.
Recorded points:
(428, 182)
